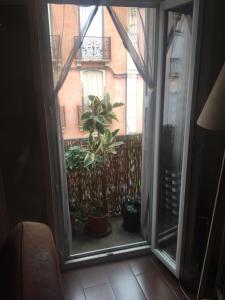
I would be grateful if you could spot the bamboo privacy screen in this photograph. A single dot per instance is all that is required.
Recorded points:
(123, 176)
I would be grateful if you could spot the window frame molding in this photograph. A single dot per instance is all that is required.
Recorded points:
(125, 3)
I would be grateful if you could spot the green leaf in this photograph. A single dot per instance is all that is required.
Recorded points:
(109, 106)
(96, 146)
(108, 136)
(101, 119)
(96, 101)
(90, 139)
(113, 116)
(74, 157)
(115, 132)
(92, 97)
(116, 144)
(86, 115)
(100, 127)
(89, 125)
(89, 159)
(117, 104)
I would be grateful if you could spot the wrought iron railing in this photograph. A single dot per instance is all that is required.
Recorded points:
(94, 48)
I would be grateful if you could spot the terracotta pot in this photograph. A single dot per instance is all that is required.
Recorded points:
(98, 225)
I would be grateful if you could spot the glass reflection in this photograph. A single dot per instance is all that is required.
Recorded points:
(177, 50)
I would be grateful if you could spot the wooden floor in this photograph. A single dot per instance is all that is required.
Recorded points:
(134, 279)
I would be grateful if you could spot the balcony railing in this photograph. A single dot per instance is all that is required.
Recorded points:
(95, 48)
(123, 176)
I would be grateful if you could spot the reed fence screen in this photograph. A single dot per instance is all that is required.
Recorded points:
(123, 176)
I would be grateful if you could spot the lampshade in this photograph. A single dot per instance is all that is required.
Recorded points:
(213, 114)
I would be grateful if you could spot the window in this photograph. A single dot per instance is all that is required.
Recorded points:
(96, 28)
(171, 152)
(93, 45)
(92, 84)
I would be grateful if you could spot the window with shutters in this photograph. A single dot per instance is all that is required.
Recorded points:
(92, 84)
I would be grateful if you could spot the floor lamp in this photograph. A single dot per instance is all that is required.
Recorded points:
(212, 117)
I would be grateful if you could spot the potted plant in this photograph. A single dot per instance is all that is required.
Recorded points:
(74, 158)
(97, 119)
(131, 211)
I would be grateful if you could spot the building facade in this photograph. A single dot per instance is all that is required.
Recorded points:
(102, 65)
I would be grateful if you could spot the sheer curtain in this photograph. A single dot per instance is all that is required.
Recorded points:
(137, 50)
(92, 82)
(140, 46)
(136, 46)
(75, 48)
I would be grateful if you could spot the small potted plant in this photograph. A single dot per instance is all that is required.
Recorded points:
(74, 158)
(97, 119)
(131, 211)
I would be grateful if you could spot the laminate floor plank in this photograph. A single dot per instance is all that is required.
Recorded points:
(143, 278)
(169, 278)
(92, 276)
(140, 265)
(72, 287)
(154, 287)
(100, 292)
(123, 282)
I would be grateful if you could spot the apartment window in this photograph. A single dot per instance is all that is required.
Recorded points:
(133, 24)
(92, 84)
(96, 27)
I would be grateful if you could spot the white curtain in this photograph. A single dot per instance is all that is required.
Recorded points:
(136, 48)
(76, 46)
(96, 27)
(92, 82)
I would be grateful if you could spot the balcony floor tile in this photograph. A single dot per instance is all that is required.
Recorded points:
(118, 237)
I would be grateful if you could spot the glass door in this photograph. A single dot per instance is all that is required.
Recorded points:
(176, 55)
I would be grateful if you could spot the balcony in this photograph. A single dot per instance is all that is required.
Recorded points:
(123, 179)
(123, 175)
(94, 49)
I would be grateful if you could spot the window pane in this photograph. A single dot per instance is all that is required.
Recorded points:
(172, 127)
(95, 28)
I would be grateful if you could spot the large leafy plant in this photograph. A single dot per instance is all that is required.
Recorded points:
(97, 119)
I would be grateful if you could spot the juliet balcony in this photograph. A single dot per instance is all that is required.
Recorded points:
(94, 49)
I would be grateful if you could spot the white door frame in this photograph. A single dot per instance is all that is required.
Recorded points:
(61, 223)
(50, 117)
(174, 267)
